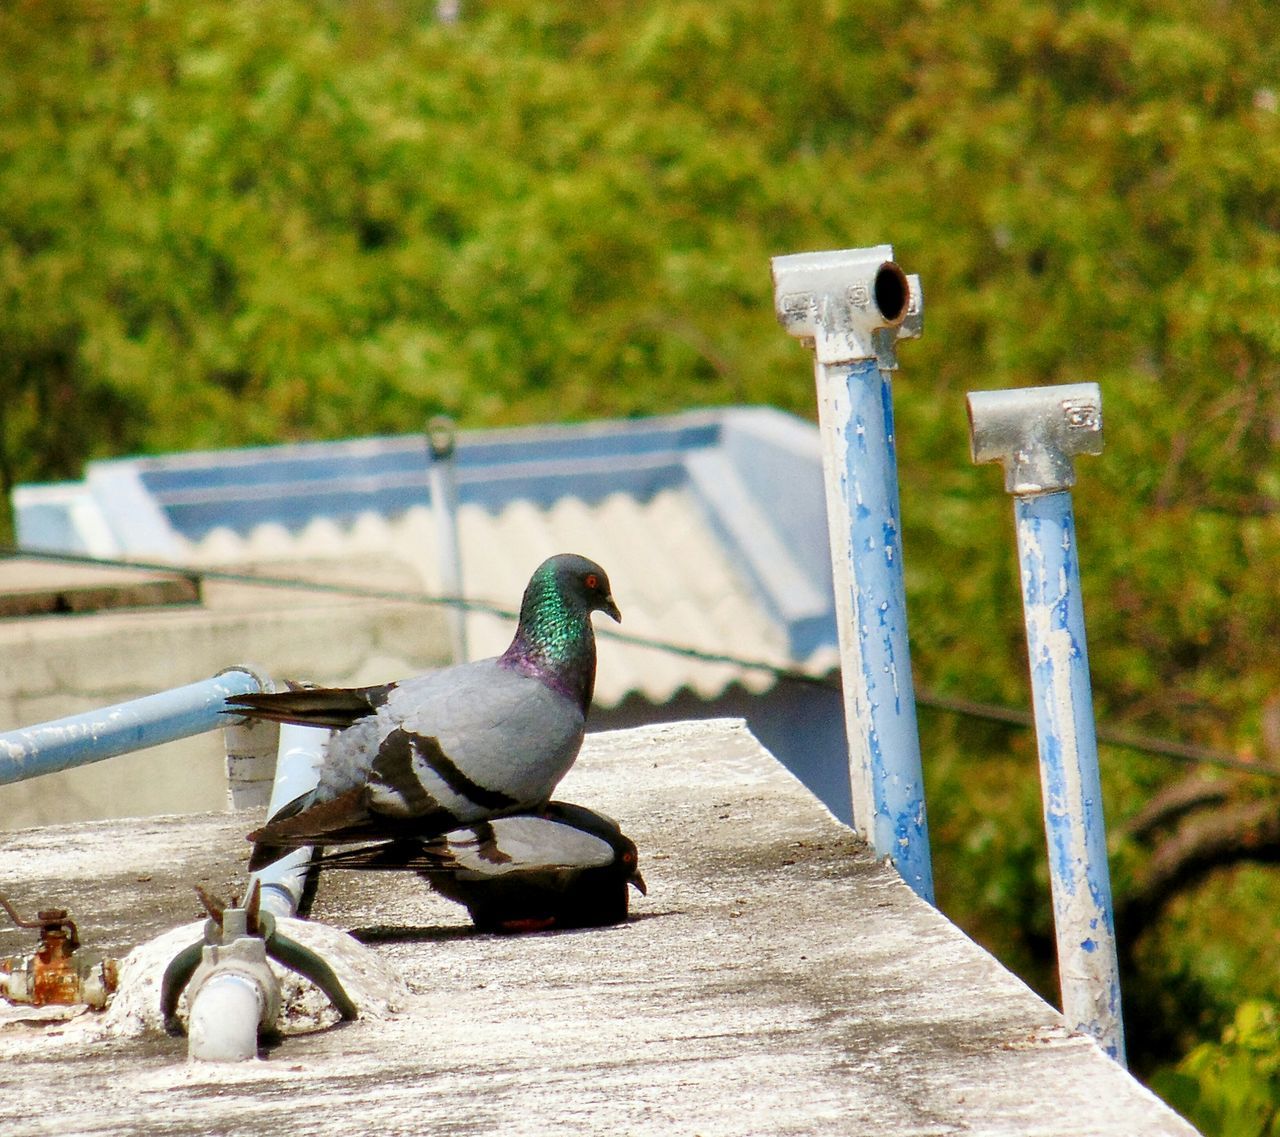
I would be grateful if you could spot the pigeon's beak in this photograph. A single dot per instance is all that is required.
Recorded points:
(609, 608)
(637, 882)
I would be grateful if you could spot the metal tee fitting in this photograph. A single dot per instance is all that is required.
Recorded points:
(234, 981)
(233, 994)
(1035, 433)
(848, 304)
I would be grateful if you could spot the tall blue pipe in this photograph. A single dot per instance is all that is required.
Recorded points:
(851, 306)
(1088, 966)
(1035, 433)
(78, 740)
(883, 691)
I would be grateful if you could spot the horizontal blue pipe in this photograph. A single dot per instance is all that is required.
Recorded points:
(78, 740)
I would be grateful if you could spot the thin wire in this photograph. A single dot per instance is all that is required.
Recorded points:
(1188, 753)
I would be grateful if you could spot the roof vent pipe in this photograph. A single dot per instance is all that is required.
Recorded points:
(301, 752)
(443, 479)
(1036, 433)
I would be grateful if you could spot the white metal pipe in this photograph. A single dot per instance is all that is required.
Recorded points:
(223, 1022)
(300, 755)
(283, 882)
(301, 752)
(233, 993)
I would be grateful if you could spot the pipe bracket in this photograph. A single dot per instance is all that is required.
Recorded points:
(242, 939)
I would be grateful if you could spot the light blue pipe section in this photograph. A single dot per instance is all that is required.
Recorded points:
(442, 477)
(1087, 963)
(301, 753)
(884, 696)
(299, 756)
(78, 740)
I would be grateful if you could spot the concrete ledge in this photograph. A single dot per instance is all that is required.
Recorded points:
(776, 980)
(52, 666)
(29, 587)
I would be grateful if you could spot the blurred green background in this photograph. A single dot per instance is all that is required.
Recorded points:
(232, 223)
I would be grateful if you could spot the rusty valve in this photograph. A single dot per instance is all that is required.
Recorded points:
(54, 973)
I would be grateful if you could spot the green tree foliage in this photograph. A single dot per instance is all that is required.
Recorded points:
(239, 222)
(1232, 1087)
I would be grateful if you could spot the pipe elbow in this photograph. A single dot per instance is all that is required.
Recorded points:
(226, 1015)
(232, 998)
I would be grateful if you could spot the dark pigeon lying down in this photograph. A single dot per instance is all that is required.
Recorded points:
(562, 867)
(453, 747)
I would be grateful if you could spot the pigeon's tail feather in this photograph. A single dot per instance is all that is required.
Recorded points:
(264, 854)
(343, 820)
(266, 851)
(333, 707)
(292, 808)
(301, 823)
(386, 856)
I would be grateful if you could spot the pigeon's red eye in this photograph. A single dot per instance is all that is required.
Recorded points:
(592, 580)
(628, 858)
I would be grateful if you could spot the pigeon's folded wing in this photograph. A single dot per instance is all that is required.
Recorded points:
(525, 843)
(477, 740)
(515, 844)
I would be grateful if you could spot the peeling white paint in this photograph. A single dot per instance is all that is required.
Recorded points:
(1087, 958)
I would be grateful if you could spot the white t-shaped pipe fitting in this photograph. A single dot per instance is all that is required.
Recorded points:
(847, 304)
(1035, 433)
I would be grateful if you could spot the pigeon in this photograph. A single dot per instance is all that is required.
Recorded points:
(563, 867)
(450, 747)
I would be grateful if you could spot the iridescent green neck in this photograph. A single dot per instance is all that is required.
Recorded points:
(555, 641)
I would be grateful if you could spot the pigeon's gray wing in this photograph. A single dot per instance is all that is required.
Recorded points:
(450, 747)
(478, 741)
(522, 843)
(515, 844)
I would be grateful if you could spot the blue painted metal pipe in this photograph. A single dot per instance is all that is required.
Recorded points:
(882, 689)
(1088, 967)
(78, 740)
(1036, 433)
(851, 306)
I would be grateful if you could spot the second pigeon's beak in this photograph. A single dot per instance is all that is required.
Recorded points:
(637, 882)
(609, 608)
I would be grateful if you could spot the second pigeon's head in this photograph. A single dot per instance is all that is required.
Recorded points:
(579, 582)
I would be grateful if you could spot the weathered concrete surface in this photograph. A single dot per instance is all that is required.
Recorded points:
(775, 981)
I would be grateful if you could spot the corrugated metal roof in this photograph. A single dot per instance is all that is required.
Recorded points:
(711, 527)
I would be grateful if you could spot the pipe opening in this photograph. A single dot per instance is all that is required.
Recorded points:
(892, 292)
